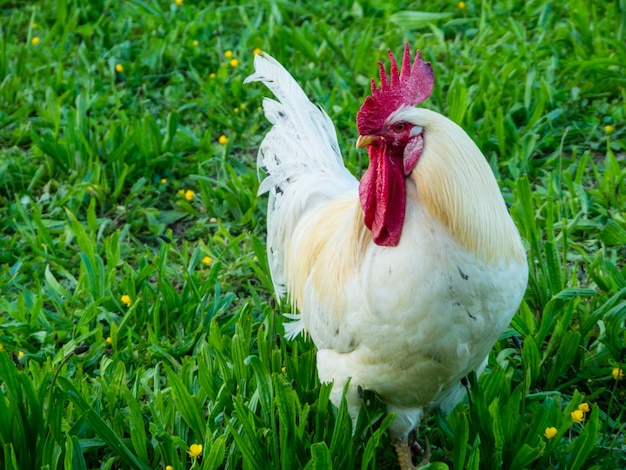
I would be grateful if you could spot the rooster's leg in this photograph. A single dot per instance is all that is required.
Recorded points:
(405, 455)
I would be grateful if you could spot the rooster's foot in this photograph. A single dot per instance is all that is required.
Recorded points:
(423, 452)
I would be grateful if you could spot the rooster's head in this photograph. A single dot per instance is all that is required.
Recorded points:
(394, 145)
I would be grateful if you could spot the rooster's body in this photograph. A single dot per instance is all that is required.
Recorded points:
(403, 298)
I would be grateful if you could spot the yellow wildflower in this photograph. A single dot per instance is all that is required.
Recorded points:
(256, 51)
(242, 105)
(181, 192)
(461, 5)
(577, 416)
(550, 433)
(228, 54)
(212, 75)
(234, 63)
(20, 353)
(169, 467)
(223, 140)
(126, 300)
(119, 68)
(207, 260)
(189, 194)
(584, 407)
(195, 43)
(618, 373)
(34, 41)
(109, 340)
(255, 259)
(178, 2)
(609, 129)
(283, 369)
(195, 450)
(163, 180)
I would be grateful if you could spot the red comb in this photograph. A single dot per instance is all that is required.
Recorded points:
(412, 86)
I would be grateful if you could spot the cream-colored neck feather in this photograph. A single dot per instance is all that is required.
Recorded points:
(457, 186)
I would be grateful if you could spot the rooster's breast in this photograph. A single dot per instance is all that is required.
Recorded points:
(421, 315)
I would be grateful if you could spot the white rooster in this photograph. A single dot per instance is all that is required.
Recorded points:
(406, 279)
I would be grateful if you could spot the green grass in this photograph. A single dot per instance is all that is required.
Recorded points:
(91, 164)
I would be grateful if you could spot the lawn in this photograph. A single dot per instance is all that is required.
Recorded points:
(137, 314)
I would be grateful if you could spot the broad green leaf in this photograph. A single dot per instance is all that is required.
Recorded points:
(186, 405)
(216, 452)
(320, 457)
(417, 19)
(137, 427)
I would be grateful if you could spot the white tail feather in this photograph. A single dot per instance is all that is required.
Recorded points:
(301, 157)
(296, 120)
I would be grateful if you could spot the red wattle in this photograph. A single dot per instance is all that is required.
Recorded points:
(382, 192)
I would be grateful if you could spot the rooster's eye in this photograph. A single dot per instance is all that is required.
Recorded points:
(399, 127)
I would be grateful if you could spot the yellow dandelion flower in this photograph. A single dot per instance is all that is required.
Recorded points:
(34, 41)
(195, 450)
(126, 300)
(109, 340)
(617, 373)
(169, 467)
(255, 259)
(577, 416)
(609, 129)
(228, 54)
(178, 2)
(207, 260)
(283, 369)
(119, 68)
(195, 43)
(163, 180)
(223, 140)
(20, 353)
(256, 51)
(181, 192)
(550, 433)
(234, 63)
(212, 75)
(189, 194)
(584, 407)
(461, 5)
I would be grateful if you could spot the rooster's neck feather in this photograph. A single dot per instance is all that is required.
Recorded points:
(457, 186)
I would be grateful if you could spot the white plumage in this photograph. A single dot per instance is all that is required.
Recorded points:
(406, 321)
(300, 156)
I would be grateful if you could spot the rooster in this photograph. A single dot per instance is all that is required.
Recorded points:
(405, 280)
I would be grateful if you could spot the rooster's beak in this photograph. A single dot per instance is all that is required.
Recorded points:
(365, 140)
